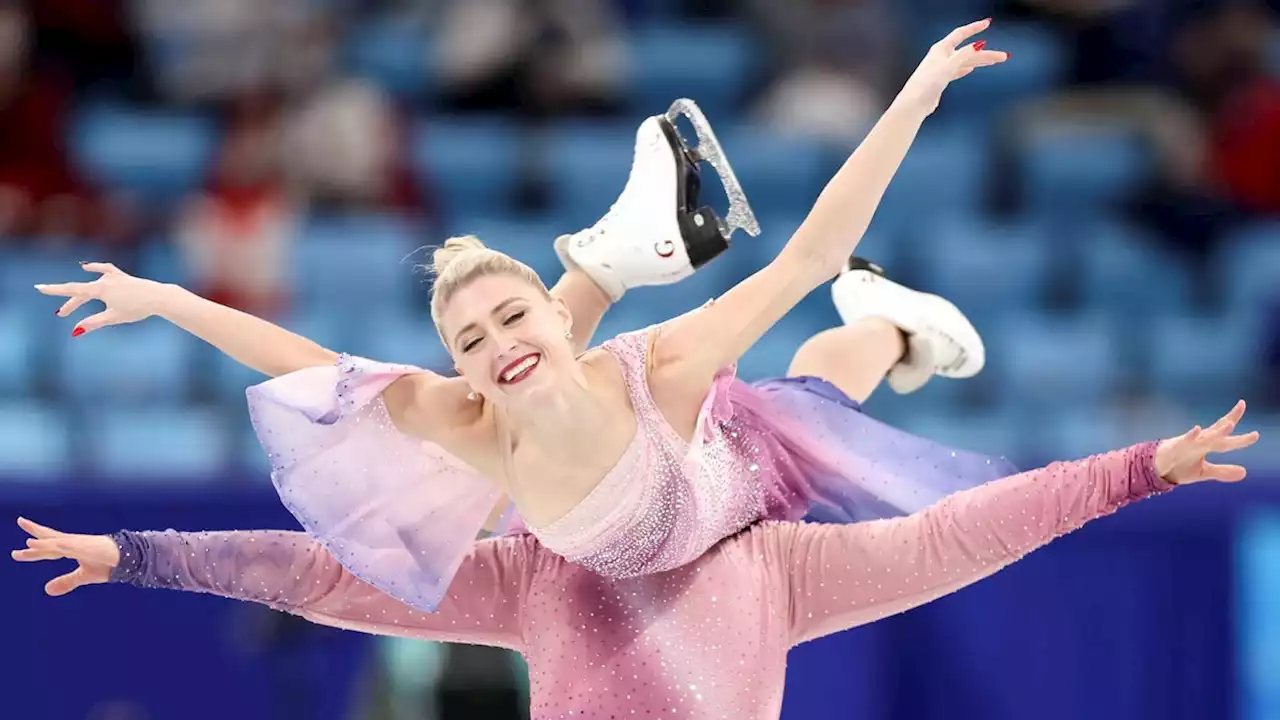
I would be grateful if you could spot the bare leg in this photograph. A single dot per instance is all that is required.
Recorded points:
(587, 304)
(854, 357)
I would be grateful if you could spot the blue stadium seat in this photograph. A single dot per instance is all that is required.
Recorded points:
(470, 163)
(989, 433)
(1069, 171)
(713, 65)
(356, 265)
(946, 173)
(1127, 272)
(161, 261)
(1204, 359)
(1248, 265)
(778, 174)
(248, 455)
(17, 352)
(1265, 454)
(402, 338)
(394, 53)
(1075, 433)
(529, 239)
(1078, 432)
(21, 269)
(983, 266)
(1039, 61)
(161, 156)
(146, 363)
(771, 356)
(175, 445)
(588, 164)
(35, 441)
(775, 230)
(1055, 360)
(230, 378)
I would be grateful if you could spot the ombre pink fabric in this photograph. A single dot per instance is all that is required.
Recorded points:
(707, 640)
(401, 513)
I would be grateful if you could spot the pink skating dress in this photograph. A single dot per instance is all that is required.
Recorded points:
(401, 513)
(706, 640)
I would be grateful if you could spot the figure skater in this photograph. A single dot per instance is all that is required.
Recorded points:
(707, 640)
(636, 457)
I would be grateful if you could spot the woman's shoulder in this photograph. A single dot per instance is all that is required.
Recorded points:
(433, 407)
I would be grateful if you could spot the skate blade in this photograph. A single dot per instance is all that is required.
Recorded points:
(740, 216)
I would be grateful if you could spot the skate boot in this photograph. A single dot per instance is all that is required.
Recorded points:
(940, 339)
(656, 234)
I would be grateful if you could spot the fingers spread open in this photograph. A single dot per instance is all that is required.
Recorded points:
(963, 33)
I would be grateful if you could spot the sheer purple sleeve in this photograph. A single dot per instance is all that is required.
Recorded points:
(289, 571)
(397, 512)
(842, 576)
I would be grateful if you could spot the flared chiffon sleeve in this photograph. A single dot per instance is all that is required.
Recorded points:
(291, 572)
(397, 512)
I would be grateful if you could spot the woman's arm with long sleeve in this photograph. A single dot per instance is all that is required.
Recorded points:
(291, 572)
(842, 576)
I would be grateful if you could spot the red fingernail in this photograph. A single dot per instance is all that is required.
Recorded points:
(1007, 55)
(979, 45)
(77, 332)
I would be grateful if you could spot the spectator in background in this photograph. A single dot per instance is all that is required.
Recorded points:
(537, 57)
(236, 237)
(1119, 77)
(1108, 42)
(1192, 79)
(1219, 67)
(347, 150)
(216, 51)
(93, 42)
(41, 193)
(1222, 62)
(837, 60)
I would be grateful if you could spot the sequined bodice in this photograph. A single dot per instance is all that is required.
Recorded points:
(666, 501)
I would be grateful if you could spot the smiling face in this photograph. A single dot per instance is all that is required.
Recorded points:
(507, 337)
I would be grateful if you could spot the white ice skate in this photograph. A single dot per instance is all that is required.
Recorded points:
(656, 234)
(940, 339)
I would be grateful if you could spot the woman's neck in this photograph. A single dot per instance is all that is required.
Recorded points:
(558, 419)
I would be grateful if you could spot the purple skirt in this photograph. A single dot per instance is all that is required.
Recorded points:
(834, 463)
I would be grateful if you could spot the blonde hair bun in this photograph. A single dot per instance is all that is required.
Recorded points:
(463, 259)
(452, 249)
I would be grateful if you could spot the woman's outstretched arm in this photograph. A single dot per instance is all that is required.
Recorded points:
(699, 344)
(289, 571)
(842, 576)
(249, 340)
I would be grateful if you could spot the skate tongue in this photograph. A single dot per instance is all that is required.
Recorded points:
(740, 215)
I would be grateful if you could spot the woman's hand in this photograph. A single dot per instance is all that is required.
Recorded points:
(128, 298)
(947, 61)
(97, 555)
(1181, 460)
